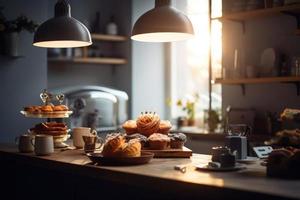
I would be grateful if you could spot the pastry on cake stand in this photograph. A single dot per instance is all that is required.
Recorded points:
(48, 111)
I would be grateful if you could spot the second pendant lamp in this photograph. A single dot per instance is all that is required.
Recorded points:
(164, 23)
(62, 31)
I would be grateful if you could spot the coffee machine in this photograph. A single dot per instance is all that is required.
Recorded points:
(236, 139)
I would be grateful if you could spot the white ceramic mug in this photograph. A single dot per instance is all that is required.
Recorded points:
(251, 71)
(24, 143)
(78, 133)
(43, 145)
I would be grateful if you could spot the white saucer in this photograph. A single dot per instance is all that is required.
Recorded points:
(221, 169)
(248, 160)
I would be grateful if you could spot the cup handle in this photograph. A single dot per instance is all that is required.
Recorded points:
(248, 131)
(32, 139)
(100, 142)
(17, 140)
(94, 132)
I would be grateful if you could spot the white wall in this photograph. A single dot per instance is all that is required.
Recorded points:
(147, 69)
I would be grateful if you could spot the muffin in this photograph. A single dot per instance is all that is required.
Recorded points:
(143, 139)
(148, 123)
(177, 140)
(130, 127)
(158, 141)
(164, 127)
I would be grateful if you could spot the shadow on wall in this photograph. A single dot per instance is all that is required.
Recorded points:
(24, 78)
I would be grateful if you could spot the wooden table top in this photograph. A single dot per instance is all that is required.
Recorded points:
(160, 172)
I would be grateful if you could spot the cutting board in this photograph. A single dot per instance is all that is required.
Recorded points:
(171, 153)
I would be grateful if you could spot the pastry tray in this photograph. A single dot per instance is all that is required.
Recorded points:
(54, 114)
(171, 153)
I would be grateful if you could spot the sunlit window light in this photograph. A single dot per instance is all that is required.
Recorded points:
(190, 59)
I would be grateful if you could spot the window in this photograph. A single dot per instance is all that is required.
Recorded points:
(190, 59)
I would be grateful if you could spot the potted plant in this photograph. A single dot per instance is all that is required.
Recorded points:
(212, 119)
(10, 30)
(189, 106)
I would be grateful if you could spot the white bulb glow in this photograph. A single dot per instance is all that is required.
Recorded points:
(162, 37)
(62, 44)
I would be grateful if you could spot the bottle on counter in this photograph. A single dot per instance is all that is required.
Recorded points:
(111, 27)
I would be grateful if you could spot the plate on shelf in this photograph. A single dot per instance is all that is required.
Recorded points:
(220, 169)
(54, 114)
(120, 161)
(268, 62)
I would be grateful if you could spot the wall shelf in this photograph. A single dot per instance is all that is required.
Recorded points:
(244, 81)
(241, 17)
(95, 60)
(259, 13)
(88, 60)
(111, 38)
(258, 80)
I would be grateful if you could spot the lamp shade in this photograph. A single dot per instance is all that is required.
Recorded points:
(164, 23)
(62, 31)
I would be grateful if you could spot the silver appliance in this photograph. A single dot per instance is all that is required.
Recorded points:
(101, 108)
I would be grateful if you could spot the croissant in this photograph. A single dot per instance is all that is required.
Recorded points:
(132, 149)
(148, 123)
(113, 145)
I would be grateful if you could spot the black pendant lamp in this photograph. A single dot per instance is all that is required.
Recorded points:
(164, 23)
(62, 31)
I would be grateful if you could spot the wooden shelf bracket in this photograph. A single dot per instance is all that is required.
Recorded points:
(243, 87)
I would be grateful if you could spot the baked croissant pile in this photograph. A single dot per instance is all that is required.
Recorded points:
(50, 128)
(147, 124)
(153, 132)
(116, 146)
(45, 109)
(284, 163)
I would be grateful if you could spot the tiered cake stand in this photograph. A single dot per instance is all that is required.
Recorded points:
(47, 98)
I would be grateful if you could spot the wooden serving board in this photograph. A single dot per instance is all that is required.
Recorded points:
(171, 153)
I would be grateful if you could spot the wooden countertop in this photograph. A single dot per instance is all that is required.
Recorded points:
(195, 133)
(160, 173)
